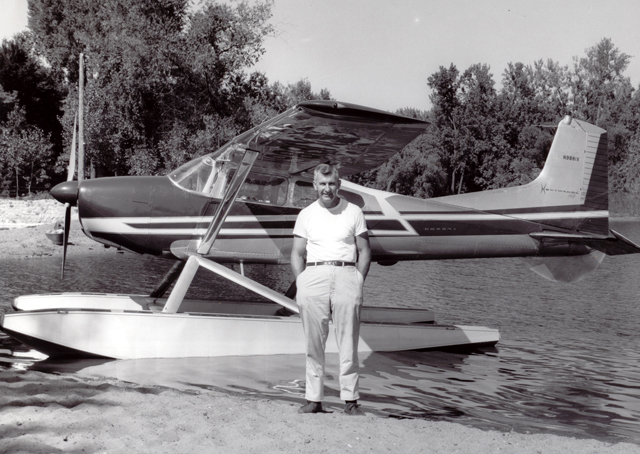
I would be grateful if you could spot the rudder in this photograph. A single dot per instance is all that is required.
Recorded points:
(575, 174)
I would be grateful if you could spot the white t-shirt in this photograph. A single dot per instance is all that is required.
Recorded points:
(331, 233)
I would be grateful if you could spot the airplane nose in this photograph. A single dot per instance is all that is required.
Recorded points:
(66, 192)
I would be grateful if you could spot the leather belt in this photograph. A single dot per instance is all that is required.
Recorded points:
(331, 262)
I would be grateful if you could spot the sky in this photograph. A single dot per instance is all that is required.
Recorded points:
(380, 53)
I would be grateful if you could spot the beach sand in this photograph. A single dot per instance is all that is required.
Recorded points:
(23, 225)
(46, 413)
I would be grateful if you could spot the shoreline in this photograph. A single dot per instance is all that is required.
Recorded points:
(31, 243)
(46, 413)
(41, 412)
(23, 224)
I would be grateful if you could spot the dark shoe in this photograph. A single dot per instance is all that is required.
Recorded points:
(312, 407)
(352, 408)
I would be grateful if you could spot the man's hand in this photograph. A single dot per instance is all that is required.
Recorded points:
(298, 252)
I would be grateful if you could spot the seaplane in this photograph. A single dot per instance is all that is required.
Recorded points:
(238, 205)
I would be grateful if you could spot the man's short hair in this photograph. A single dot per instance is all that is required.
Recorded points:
(326, 170)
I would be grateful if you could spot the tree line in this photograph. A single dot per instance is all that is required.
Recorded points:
(166, 83)
(481, 137)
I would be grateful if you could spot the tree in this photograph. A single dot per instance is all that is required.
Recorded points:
(7, 103)
(531, 99)
(30, 104)
(416, 170)
(596, 80)
(483, 132)
(35, 87)
(482, 139)
(466, 132)
(447, 121)
(24, 152)
(301, 91)
(157, 74)
(602, 94)
(625, 173)
(263, 101)
(551, 82)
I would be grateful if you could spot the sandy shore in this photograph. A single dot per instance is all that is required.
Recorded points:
(23, 225)
(45, 413)
(25, 212)
(64, 413)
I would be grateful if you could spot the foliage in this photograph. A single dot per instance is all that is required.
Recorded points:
(24, 153)
(156, 74)
(30, 104)
(35, 87)
(482, 138)
(166, 83)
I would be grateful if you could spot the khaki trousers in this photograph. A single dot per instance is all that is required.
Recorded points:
(331, 292)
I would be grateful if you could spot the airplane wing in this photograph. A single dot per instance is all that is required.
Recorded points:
(354, 138)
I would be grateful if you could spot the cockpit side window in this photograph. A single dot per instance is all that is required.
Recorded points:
(303, 194)
(264, 189)
(193, 175)
(209, 174)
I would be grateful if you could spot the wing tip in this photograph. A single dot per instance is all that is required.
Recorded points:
(345, 109)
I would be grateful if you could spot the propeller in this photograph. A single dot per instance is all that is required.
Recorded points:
(67, 205)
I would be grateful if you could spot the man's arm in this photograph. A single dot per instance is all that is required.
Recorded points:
(297, 255)
(364, 253)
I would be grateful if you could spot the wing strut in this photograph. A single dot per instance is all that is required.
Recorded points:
(168, 279)
(195, 261)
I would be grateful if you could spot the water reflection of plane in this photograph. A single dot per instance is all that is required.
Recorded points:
(239, 204)
(401, 384)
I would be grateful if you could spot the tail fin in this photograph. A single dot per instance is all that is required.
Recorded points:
(575, 175)
(571, 192)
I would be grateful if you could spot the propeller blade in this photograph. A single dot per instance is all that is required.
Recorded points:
(65, 236)
(72, 155)
(67, 207)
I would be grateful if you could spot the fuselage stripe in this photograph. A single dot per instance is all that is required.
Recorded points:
(418, 225)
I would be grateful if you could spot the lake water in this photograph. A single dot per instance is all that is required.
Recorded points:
(568, 362)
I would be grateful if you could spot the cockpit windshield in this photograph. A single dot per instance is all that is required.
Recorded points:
(210, 174)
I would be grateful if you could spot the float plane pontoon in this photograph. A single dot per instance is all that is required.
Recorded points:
(239, 205)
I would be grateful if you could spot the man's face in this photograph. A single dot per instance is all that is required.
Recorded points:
(327, 188)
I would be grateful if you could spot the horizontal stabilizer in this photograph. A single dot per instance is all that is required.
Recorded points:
(621, 245)
(614, 244)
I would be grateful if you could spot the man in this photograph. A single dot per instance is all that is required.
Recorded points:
(333, 234)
